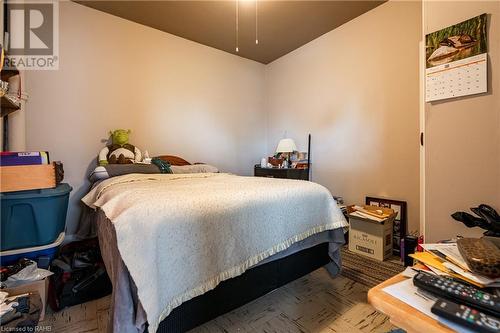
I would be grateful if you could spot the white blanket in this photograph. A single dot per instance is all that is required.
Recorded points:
(181, 235)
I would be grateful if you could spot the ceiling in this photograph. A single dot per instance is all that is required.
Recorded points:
(283, 26)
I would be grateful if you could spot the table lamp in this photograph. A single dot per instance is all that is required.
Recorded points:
(286, 146)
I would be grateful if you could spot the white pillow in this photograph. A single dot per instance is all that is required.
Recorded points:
(99, 173)
(195, 168)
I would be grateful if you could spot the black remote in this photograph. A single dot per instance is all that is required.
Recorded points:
(458, 292)
(466, 316)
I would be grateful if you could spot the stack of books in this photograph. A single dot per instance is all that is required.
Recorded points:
(445, 259)
(8, 158)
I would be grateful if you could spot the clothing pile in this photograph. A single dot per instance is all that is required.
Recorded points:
(20, 312)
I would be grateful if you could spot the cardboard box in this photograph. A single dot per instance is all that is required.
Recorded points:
(370, 238)
(41, 287)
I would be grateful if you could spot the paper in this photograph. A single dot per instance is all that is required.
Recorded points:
(406, 292)
(367, 216)
(450, 251)
(430, 260)
(474, 277)
(460, 78)
(433, 261)
(409, 272)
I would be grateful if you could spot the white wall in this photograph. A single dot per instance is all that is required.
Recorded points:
(462, 134)
(178, 97)
(356, 90)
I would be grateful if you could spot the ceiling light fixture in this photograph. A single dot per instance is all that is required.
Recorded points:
(237, 24)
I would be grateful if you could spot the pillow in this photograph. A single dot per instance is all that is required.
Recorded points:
(195, 168)
(98, 174)
(112, 170)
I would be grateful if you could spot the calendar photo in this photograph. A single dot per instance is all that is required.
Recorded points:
(456, 60)
(460, 41)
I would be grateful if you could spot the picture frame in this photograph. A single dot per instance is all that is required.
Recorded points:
(400, 222)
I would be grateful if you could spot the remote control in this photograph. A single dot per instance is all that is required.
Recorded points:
(466, 316)
(458, 292)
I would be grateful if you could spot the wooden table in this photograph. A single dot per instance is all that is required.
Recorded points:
(401, 314)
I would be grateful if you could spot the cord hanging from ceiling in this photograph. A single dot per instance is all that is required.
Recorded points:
(256, 22)
(237, 14)
(237, 25)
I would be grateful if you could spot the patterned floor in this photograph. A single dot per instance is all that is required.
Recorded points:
(313, 303)
(367, 271)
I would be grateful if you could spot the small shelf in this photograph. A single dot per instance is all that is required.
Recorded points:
(8, 106)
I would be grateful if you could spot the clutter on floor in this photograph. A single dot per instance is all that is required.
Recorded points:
(79, 275)
(24, 271)
(370, 231)
(21, 313)
(23, 295)
(313, 303)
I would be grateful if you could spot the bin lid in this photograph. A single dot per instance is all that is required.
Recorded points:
(58, 242)
(61, 189)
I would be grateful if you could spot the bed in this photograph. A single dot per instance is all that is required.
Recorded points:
(181, 249)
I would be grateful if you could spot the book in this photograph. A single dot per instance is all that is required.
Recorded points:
(24, 158)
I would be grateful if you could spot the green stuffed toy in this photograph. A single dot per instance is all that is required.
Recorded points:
(120, 151)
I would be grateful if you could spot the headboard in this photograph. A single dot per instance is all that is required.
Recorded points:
(173, 160)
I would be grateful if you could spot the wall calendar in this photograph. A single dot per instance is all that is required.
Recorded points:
(457, 60)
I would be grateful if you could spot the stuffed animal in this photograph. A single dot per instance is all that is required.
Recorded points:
(120, 151)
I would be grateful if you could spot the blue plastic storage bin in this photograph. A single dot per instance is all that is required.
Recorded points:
(33, 218)
(43, 255)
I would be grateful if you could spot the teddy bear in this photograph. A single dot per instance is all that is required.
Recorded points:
(120, 151)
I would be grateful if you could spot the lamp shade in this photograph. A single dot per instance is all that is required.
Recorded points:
(286, 146)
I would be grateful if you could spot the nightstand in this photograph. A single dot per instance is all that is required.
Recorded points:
(286, 173)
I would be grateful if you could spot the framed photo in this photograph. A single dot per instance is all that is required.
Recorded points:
(400, 222)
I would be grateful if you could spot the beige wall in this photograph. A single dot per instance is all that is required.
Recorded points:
(178, 97)
(356, 90)
(463, 134)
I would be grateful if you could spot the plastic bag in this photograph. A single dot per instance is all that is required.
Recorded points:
(29, 273)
